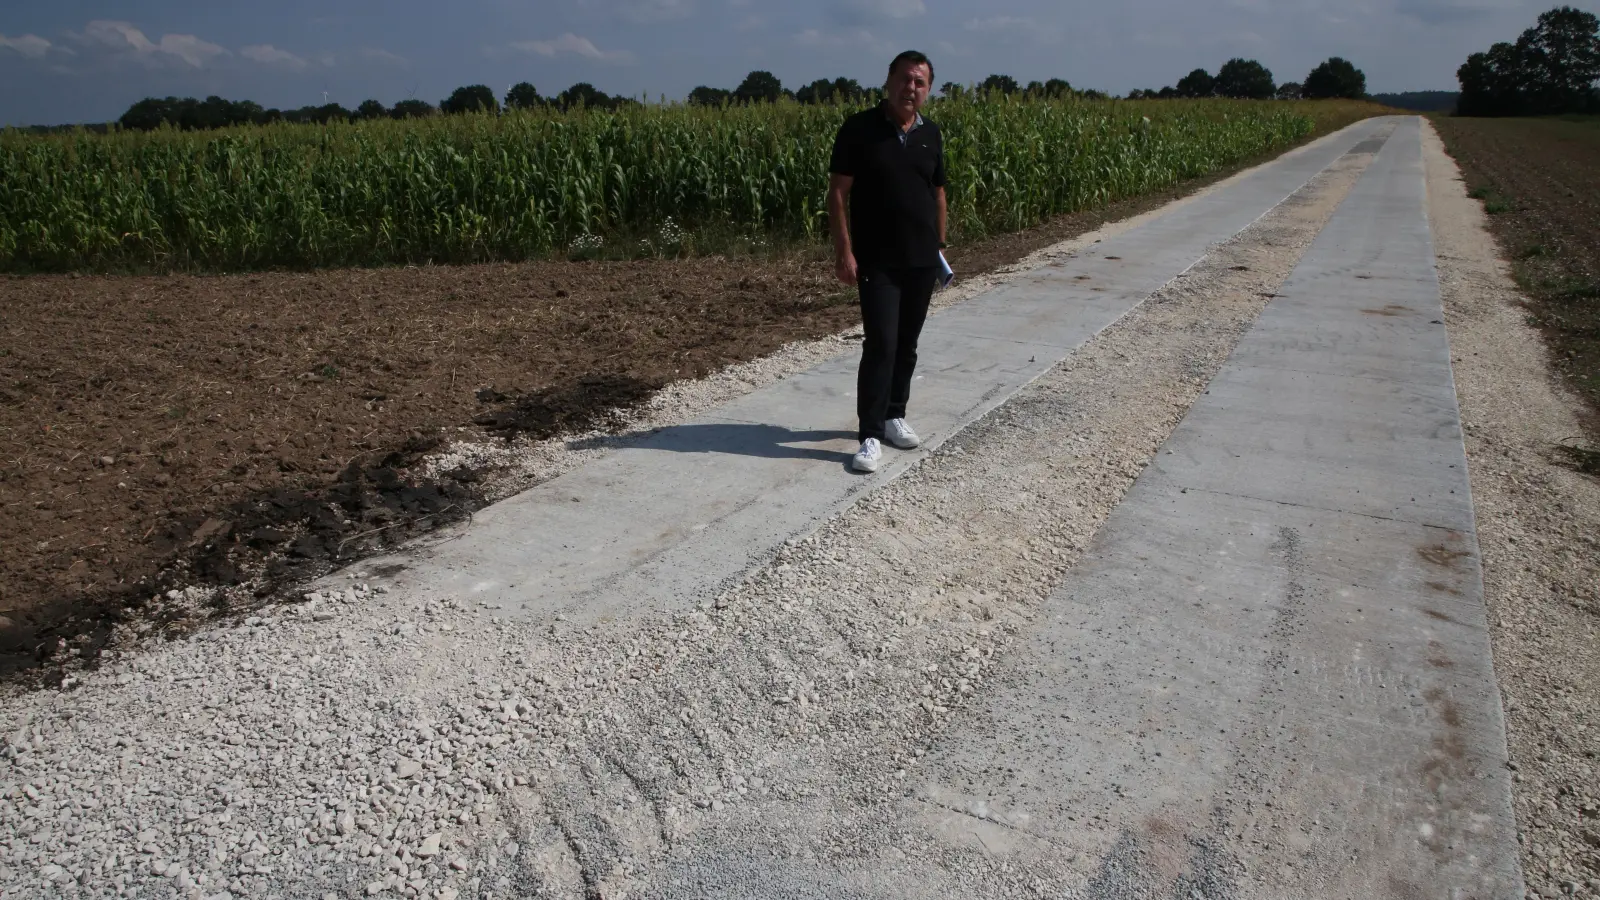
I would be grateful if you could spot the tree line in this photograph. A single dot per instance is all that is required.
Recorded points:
(1240, 78)
(764, 87)
(190, 114)
(1553, 68)
(1420, 101)
(1248, 79)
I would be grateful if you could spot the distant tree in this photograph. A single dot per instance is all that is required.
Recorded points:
(841, 90)
(319, 115)
(950, 90)
(1245, 79)
(216, 112)
(1551, 69)
(372, 109)
(412, 109)
(1196, 84)
(1092, 94)
(472, 98)
(1420, 101)
(1562, 53)
(148, 114)
(759, 87)
(251, 112)
(819, 91)
(1057, 87)
(999, 84)
(585, 95)
(1492, 83)
(710, 96)
(1336, 78)
(523, 96)
(1289, 90)
(190, 114)
(1034, 89)
(1169, 93)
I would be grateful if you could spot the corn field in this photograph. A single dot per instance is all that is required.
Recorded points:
(478, 188)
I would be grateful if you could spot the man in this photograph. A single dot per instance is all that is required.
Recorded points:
(889, 162)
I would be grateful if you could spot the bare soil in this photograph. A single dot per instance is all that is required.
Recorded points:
(1539, 180)
(158, 432)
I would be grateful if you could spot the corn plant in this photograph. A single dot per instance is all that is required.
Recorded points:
(526, 184)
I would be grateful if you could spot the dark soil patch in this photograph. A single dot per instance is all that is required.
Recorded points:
(164, 431)
(291, 407)
(1540, 181)
(546, 413)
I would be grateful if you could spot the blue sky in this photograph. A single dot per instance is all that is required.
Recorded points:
(88, 60)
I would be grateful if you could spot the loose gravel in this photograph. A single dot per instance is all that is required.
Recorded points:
(1539, 535)
(371, 741)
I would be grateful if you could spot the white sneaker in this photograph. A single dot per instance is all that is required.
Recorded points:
(868, 457)
(901, 435)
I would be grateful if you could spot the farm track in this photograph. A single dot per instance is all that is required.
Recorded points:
(410, 742)
(162, 432)
(278, 759)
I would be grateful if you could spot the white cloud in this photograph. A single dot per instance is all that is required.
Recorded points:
(850, 37)
(643, 11)
(1001, 23)
(189, 48)
(877, 10)
(1016, 26)
(376, 54)
(267, 54)
(123, 37)
(1435, 12)
(574, 45)
(30, 45)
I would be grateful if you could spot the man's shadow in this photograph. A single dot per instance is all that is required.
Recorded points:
(734, 438)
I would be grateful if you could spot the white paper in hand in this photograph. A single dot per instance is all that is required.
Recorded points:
(946, 274)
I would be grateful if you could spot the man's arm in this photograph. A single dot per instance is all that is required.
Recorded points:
(939, 193)
(844, 260)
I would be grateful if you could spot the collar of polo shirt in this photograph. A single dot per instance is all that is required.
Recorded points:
(915, 123)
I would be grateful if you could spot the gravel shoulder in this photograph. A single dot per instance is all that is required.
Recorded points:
(369, 742)
(1538, 525)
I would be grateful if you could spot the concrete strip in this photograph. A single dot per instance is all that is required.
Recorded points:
(674, 517)
(1270, 676)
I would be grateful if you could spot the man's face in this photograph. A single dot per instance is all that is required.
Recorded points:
(908, 87)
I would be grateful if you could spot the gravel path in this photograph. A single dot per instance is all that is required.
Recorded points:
(1539, 534)
(373, 742)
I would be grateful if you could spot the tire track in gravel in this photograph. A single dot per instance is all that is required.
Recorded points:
(366, 743)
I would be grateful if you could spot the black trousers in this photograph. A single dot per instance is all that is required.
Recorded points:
(894, 304)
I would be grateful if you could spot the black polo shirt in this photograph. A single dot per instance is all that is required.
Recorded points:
(894, 213)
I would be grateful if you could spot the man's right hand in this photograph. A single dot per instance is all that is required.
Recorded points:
(844, 267)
